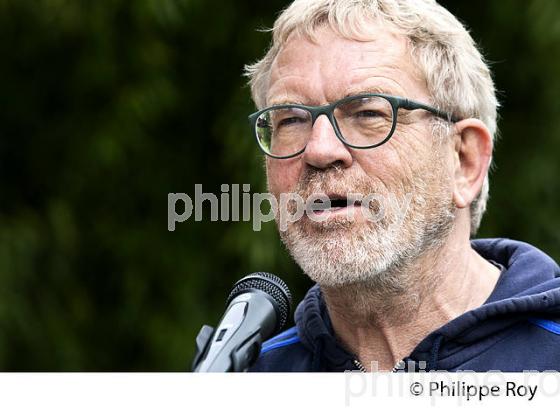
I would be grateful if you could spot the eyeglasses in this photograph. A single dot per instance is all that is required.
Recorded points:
(359, 121)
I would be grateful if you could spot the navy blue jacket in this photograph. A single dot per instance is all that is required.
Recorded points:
(516, 329)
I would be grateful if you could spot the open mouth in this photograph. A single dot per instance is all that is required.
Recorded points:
(335, 203)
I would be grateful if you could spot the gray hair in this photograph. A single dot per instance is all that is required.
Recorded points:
(457, 77)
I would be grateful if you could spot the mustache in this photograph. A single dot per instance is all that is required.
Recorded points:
(333, 181)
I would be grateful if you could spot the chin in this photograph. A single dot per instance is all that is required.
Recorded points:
(338, 253)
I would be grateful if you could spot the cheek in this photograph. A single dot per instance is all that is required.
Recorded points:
(385, 164)
(405, 157)
(283, 174)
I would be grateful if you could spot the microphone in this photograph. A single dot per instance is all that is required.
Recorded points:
(257, 308)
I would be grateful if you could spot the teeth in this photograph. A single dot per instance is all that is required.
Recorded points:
(320, 206)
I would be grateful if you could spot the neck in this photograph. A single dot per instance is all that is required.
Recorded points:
(383, 325)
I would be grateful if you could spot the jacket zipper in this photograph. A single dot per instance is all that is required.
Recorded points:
(362, 368)
(359, 366)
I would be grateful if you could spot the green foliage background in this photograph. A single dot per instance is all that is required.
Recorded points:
(107, 106)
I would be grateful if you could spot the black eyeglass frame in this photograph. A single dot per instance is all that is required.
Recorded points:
(328, 110)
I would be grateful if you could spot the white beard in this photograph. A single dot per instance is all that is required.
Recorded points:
(338, 252)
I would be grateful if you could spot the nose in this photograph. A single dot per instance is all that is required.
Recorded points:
(324, 148)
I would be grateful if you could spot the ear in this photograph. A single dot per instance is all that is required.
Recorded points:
(472, 154)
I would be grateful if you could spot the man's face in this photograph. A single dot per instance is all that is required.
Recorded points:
(411, 172)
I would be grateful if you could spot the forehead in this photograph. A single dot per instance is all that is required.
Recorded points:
(328, 67)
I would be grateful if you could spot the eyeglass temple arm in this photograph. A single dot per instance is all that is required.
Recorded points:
(413, 105)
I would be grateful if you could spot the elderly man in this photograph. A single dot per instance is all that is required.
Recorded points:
(392, 98)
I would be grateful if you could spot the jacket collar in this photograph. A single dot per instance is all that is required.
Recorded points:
(528, 286)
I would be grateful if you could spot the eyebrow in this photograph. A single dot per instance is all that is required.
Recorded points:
(283, 101)
(369, 90)
(350, 92)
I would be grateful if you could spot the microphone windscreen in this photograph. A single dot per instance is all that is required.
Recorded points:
(270, 284)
